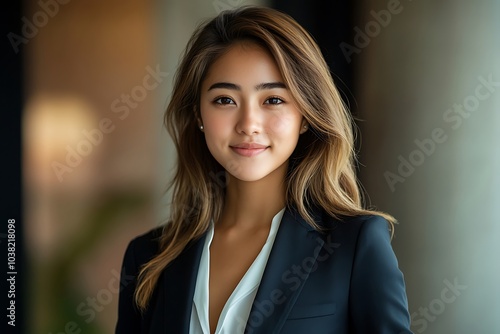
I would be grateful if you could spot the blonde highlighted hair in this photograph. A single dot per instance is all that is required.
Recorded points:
(321, 170)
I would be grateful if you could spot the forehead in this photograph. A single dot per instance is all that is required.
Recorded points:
(244, 62)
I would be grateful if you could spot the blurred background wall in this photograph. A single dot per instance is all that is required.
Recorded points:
(429, 92)
(422, 75)
(90, 151)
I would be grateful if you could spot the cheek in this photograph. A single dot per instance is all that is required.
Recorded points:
(215, 125)
(216, 129)
(284, 124)
(214, 120)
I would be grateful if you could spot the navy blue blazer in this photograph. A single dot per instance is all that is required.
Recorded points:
(344, 280)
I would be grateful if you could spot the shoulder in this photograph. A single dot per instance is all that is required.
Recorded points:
(143, 247)
(149, 239)
(139, 251)
(377, 288)
(377, 292)
(364, 239)
(360, 227)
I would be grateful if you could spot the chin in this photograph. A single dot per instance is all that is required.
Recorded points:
(249, 177)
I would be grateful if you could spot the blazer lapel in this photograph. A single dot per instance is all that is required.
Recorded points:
(179, 282)
(291, 260)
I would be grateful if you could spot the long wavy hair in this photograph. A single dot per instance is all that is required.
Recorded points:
(322, 167)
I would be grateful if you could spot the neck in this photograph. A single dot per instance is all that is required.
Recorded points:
(252, 205)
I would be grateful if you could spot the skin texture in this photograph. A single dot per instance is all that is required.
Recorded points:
(244, 101)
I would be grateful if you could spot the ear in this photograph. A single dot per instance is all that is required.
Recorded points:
(200, 125)
(304, 126)
(198, 119)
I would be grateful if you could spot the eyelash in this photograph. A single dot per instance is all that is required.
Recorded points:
(277, 98)
(218, 99)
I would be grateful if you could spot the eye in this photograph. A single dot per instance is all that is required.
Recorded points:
(223, 100)
(274, 100)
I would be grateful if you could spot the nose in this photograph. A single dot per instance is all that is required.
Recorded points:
(249, 120)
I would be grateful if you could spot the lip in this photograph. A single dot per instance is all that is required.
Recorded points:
(248, 149)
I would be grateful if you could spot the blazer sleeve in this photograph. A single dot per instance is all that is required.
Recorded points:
(378, 302)
(129, 317)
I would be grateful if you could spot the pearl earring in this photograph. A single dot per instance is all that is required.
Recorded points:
(201, 127)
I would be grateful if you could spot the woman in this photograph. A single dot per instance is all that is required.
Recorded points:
(267, 232)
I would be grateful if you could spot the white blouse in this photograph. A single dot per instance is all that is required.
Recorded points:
(236, 311)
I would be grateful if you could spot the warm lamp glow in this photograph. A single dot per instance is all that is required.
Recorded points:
(51, 124)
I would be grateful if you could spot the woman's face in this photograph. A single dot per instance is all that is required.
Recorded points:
(250, 121)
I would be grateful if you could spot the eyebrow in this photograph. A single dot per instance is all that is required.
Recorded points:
(262, 86)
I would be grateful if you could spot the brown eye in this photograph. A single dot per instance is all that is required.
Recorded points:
(274, 100)
(223, 100)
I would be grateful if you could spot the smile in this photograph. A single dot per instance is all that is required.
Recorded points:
(249, 150)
